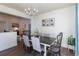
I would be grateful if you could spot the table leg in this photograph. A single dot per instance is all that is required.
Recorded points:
(44, 50)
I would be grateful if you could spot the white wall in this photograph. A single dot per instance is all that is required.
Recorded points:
(12, 11)
(8, 40)
(64, 22)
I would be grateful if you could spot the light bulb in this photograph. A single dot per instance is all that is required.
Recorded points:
(36, 10)
(25, 9)
(27, 12)
(28, 8)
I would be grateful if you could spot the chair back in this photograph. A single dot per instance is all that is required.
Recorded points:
(36, 44)
(55, 48)
(26, 41)
(59, 39)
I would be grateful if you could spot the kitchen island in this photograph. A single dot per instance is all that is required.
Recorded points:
(8, 40)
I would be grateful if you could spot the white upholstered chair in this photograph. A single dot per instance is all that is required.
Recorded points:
(26, 41)
(36, 44)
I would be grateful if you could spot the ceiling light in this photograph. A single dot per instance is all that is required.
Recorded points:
(31, 12)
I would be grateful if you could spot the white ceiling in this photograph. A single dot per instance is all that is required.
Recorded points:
(42, 7)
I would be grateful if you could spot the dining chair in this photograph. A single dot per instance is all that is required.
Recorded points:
(56, 47)
(36, 45)
(26, 42)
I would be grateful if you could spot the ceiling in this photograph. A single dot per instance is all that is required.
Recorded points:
(42, 7)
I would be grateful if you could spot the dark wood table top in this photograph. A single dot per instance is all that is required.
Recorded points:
(47, 40)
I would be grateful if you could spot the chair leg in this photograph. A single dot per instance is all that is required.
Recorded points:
(33, 52)
(56, 54)
(40, 54)
(59, 54)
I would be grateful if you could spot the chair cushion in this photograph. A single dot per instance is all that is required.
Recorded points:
(55, 50)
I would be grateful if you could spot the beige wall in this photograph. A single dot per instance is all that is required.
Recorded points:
(9, 19)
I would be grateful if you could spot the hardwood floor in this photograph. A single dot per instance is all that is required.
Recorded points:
(19, 51)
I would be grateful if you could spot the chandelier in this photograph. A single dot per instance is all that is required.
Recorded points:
(31, 12)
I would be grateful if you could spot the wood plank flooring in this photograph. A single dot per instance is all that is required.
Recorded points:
(19, 51)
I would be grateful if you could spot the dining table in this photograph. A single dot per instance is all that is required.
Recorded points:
(46, 42)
